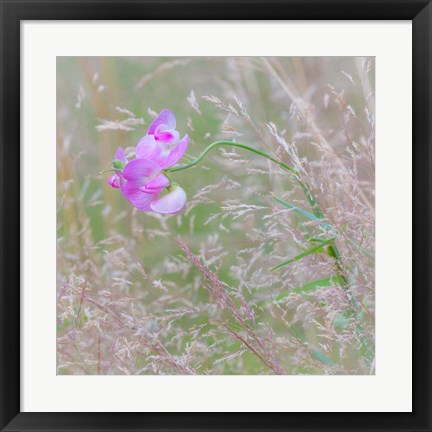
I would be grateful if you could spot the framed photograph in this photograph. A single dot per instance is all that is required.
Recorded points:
(215, 215)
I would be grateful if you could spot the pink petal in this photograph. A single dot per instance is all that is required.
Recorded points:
(156, 185)
(120, 155)
(136, 197)
(149, 148)
(113, 181)
(166, 136)
(140, 170)
(171, 156)
(163, 155)
(165, 117)
(171, 203)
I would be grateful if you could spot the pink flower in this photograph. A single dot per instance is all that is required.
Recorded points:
(142, 180)
(119, 162)
(162, 144)
(171, 203)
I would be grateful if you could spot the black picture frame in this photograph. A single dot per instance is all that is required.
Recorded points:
(14, 11)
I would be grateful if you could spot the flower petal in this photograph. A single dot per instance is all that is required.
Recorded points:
(140, 170)
(120, 155)
(166, 136)
(156, 185)
(171, 203)
(137, 197)
(170, 157)
(165, 117)
(113, 181)
(149, 148)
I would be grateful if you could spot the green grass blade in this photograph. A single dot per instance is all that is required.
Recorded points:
(318, 355)
(310, 287)
(325, 225)
(304, 213)
(303, 254)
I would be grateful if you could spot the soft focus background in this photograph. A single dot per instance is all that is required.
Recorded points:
(130, 300)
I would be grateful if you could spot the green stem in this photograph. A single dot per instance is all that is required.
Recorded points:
(317, 211)
(333, 250)
(232, 144)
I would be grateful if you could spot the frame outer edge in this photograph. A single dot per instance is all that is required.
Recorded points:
(10, 214)
(422, 216)
(10, 226)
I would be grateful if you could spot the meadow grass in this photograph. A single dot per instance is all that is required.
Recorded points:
(269, 270)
